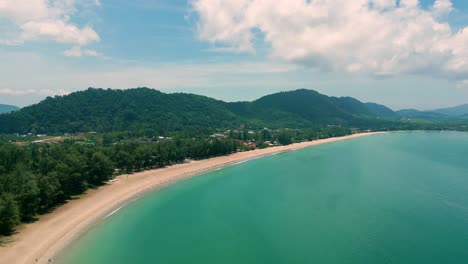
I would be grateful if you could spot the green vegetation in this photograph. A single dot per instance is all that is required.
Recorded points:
(37, 177)
(457, 111)
(457, 114)
(119, 110)
(100, 133)
(381, 110)
(9, 214)
(192, 115)
(141, 109)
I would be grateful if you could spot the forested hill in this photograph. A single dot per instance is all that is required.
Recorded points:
(7, 108)
(118, 110)
(105, 110)
(457, 111)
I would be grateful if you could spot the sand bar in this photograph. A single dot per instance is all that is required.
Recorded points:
(49, 235)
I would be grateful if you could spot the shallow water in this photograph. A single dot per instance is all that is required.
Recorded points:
(391, 198)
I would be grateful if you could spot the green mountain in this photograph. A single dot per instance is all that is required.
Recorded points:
(118, 110)
(457, 111)
(305, 107)
(105, 110)
(381, 110)
(7, 108)
(417, 114)
(454, 114)
(293, 109)
(314, 106)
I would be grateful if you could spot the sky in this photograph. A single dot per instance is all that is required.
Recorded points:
(401, 53)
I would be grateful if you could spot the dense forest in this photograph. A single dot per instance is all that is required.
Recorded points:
(109, 110)
(118, 110)
(36, 178)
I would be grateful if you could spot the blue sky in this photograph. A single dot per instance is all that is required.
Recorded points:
(237, 52)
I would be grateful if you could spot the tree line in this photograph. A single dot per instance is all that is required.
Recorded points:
(38, 177)
(110, 110)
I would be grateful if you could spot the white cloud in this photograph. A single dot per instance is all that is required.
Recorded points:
(46, 92)
(77, 51)
(180, 75)
(228, 80)
(58, 31)
(47, 20)
(463, 84)
(442, 7)
(43, 72)
(381, 37)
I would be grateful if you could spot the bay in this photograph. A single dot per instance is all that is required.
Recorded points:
(390, 198)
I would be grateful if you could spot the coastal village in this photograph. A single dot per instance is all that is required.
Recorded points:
(248, 138)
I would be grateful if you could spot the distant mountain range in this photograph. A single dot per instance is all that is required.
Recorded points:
(7, 108)
(457, 111)
(105, 110)
(451, 113)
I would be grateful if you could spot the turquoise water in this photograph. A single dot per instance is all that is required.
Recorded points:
(392, 198)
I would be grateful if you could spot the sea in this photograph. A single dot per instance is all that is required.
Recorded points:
(387, 198)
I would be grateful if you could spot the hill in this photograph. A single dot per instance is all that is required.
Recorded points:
(457, 111)
(299, 108)
(7, 108)
(305, 107)
(417, 114)
(432, 115)
(118, 110)
(381, 110)
(105, 110)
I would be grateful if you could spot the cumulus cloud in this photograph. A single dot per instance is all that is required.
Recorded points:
(381, 37)
(58, 31)
(47, 20)
(442, 7)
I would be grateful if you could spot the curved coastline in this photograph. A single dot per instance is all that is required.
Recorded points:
(52, 233)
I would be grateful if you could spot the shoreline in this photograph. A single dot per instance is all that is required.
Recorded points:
(54, 232)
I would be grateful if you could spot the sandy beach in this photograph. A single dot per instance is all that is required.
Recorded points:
(42, 240)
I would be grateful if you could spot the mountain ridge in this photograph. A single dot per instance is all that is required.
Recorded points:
(105, 110)
(5, 108)
(456, 111)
